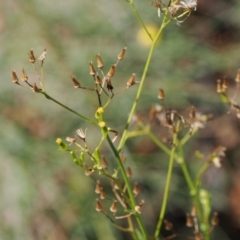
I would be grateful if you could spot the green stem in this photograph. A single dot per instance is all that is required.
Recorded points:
(69, 109)
(124, 136)
(140, 19)
(129, 188)
(167, 186)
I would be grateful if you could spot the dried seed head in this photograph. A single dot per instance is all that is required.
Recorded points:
(104, 163)
(161, 94)
(122, 54)
(131, 80)
(43, 55)
(24, 75)
(98, 206)
(112, 71)
(98, 187)
(168, 225)
(113, 207)
(193, 211)
(138, 208)
(129, 172)
(237, 79)
(98, 80)
(217, 162)
(35, 88)
(75, 82)
(32, 58)
(189, 221)
(192, 113)
(219, 86)
(91, 69)
(225, 83)
(14, 77)
(136, 189)
(99, 61)
(215, 219)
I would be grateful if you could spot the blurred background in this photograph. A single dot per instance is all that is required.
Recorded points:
(43, 194)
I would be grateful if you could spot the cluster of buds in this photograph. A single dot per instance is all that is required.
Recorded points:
(173, 8)
(222, 86)
(24, 76)
(103, 82)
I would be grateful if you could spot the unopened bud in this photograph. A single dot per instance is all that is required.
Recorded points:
(32, 58)
(161, 94)
(91, 69)
(24, 75)
(122, 53)
(14, 77)
(113, 207)
(98, 206)
(112, 70)
(61, 144)
(99, 61)
(237, 79)
(75, 82)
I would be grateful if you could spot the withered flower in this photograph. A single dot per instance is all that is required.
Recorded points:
(35, 88)
(122, 53)
(219, 86)
(189, 221)
(98, 187)
(75, 82)
(168, 225)
(136, 189)
(70, 140)
(131, 80)
(98, 206)
(113, 207)
(14, 77)
(102, 194)
(225, 83)
(129, 172)
(98, 80)
(91, 69)
(109, 85)
(237, 79)
(24, 75)
(138, 208)
(99, 61)
(189, 4)
(104, 163)
(161, 94)
(32, 58)
(112, 70)
(43, 55)
(215, 219)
